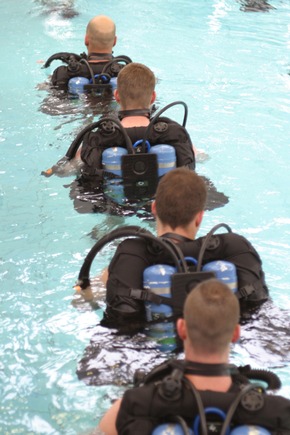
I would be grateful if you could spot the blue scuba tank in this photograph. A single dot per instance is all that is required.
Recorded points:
(76, 85)
(224, 271)
(111, 160)
(170, 429)
(166, 158)
(157, 279)
(113, 83)
(249, 430)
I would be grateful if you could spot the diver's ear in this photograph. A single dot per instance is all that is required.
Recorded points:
(153, 208)
(236, 333)
(199, 218)
(86, 40)
(153, 97)
(115, 41)
(181, 329)
(116, 95)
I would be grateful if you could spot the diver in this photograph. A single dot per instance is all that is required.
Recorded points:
(178, 207)
(100, 38)
(203, 393)
(133, 150)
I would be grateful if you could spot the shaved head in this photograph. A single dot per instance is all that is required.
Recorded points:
(101, 33)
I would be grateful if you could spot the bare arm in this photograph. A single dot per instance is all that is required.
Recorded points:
(108, 422)
(104, 275)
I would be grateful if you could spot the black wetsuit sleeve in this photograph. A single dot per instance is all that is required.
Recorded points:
(60, 77)
(94, 143)
(126, 272)
(92, 148)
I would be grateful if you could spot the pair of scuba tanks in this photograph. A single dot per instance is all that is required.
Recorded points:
(129, 173)
(97, 83)
(165, 286)
(178, 429)
(160, 280)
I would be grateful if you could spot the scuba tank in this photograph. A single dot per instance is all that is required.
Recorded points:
(107, 79)
(140, 167)
(224, 271)
(157, 279)
(249, 430)
(172, 429)
(166, 158)
(76, 85)
(112, 161)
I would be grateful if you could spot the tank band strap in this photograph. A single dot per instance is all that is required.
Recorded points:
(144, 295)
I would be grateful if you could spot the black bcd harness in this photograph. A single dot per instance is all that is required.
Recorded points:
(182, 282)
(139, 168)
(170, 384)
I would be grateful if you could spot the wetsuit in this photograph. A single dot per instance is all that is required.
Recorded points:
(97, 62)
(135, 255)
(144, 408)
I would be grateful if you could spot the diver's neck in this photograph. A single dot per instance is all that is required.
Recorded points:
(188, 232)
(134, 117)
(135, 121)
(214, 383)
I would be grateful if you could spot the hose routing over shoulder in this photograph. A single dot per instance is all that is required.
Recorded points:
(158, 114)
(128, 231)
(64, 56)
(206, 241)
(72, 150)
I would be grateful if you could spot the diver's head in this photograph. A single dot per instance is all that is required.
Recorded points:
(180, 200)
(100, 35)
(211, 320)
(135, 87)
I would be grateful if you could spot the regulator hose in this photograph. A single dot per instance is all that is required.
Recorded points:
(127, 231)
(71, 152)
(158, 114)
(63, 56)
(205, 243)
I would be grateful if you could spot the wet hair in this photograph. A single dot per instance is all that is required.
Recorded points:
(135, 84)
(211, 312)
(101, 31)
(180, 195)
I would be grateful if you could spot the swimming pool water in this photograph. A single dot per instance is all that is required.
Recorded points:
(230, 67)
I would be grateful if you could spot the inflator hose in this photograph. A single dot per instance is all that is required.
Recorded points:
(158, 114)
(63, 56)
(71, 152)
(205, 243)
(132, 230)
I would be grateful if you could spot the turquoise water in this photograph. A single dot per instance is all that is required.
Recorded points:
(230, 67)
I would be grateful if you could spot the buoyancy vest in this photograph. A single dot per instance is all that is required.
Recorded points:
(166, 394)
(85, 66)
(95, 143)
(238, 250)
(142, 250)
(232, 247)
